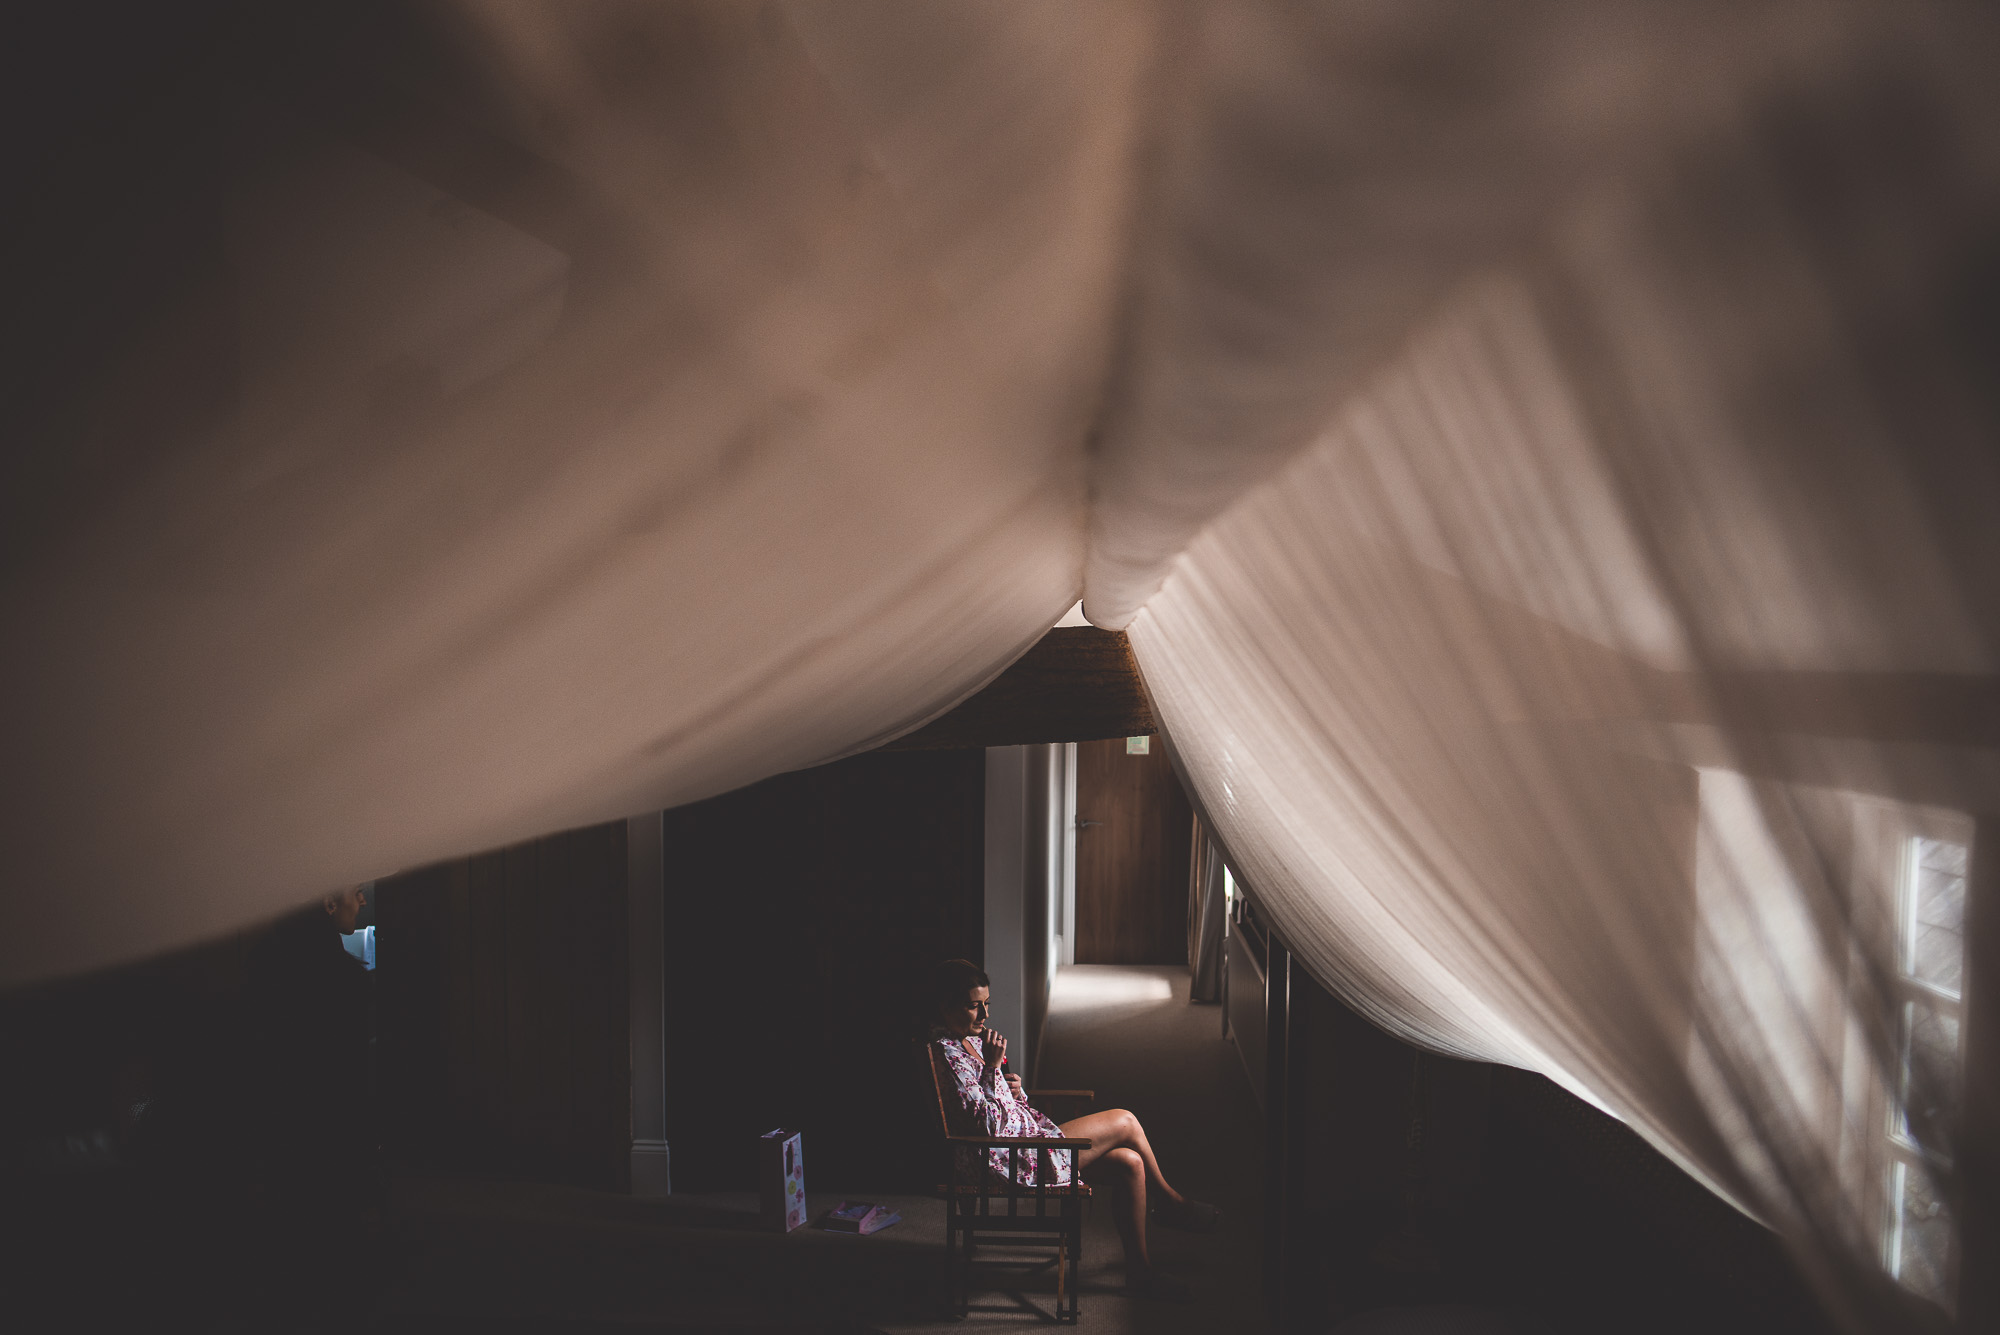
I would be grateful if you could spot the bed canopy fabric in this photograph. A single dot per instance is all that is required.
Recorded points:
(1543, 458)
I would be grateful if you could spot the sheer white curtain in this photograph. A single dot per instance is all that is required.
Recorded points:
(1573, 700)
(573, 411)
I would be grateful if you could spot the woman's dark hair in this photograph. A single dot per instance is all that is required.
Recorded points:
(951, 980)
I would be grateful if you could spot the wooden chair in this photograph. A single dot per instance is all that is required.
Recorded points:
(1043, 1215)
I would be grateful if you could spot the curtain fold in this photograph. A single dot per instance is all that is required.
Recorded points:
(1205, 916)
(1317, 180)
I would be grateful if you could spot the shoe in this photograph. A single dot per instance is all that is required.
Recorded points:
(1158, 1286)
(1187, 1215)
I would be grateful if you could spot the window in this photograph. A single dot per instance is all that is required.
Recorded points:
(360, 943)
(1930, 928)
(1860, 1058)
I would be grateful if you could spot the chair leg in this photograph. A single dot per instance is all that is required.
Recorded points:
(965, 1250)
(959, 1245)
(1075, 1264)
(951, 1262)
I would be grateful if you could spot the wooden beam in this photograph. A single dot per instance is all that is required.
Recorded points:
(1951, 709)
(1078, 684)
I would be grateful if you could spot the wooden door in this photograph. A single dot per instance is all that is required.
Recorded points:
(1134, 826)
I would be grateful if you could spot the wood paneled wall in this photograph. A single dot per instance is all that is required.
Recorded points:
(1135, 829)
(504, 1012)
(802, 915)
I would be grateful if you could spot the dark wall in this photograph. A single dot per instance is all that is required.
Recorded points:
(77, 1053)
(801, 914)
(132, 1188)
(1580, 1219)
(501, 983)
(1415, 1179)
(1412, 1178)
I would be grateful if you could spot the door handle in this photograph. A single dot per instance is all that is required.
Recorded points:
(1083, 824)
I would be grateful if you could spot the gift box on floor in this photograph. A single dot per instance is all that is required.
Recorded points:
(781, 1180)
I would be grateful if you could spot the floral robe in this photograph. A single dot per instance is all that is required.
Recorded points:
(984, 1106)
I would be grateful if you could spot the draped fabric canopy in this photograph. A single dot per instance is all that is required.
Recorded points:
(1543, 457)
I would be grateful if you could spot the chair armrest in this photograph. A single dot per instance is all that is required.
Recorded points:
(1062, 1094)
(1027, 1142)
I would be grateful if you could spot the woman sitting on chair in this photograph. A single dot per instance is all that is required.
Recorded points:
(990, 1103)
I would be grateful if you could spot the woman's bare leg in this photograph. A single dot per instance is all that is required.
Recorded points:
(1126, 1173)
(1116, 1129)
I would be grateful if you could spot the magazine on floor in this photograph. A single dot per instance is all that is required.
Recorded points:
(858, 1217)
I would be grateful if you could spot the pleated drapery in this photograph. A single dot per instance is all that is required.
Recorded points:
(1543, 457)
(1564, 703)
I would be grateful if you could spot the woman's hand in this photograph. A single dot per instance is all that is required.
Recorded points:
(1014, 1085)
(994, 1049)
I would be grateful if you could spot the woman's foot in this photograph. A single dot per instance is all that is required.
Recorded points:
(1187, 1215)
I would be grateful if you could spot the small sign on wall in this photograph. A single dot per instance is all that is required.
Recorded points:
(1138, 746)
